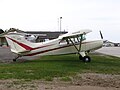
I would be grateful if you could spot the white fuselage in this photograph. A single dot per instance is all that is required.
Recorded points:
(56, 48)
(21, 46)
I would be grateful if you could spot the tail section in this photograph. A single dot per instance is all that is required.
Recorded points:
(18, 43)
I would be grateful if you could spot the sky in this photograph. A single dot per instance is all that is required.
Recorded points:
(44, 15)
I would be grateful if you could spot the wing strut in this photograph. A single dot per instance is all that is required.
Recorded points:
(76, 46)
(81, 38)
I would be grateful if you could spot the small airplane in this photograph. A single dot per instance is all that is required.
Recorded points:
(70, 43)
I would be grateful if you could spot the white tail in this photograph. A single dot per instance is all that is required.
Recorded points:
(18, 43)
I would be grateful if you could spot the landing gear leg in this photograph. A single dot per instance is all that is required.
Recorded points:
(15, 59)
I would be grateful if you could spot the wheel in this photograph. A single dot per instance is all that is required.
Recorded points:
(86, 59)
(80, 57)
(14, 60)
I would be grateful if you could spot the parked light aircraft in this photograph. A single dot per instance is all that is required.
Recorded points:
(69, 43)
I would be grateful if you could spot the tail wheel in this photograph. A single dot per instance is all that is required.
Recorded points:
(14, 60)
(86, 59)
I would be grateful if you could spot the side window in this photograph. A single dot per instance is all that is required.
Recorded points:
(63, 42)
(83, 37)
(68, 42)
(75, 40)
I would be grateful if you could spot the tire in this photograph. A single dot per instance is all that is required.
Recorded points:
(14, 60)
(80, 57)
(86, 59)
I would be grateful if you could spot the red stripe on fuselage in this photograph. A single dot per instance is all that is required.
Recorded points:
(32, 54)
(21, 44)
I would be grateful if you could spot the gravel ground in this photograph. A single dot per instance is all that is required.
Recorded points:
(87, 81)
(6, 56)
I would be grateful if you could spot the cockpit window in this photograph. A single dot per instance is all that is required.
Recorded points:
(83, 37)
(74, 39)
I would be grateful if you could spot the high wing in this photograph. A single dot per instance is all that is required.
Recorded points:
(75, 34)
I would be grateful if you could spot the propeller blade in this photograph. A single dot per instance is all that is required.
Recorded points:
(101, 35)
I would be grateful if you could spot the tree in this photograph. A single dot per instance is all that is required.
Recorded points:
(1, 31)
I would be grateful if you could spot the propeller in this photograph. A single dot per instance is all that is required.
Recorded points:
(101, 34)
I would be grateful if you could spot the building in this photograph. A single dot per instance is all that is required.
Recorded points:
(40, 36)
(110, 44)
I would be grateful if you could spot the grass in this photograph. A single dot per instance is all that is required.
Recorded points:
(66, 79)
(49, 67)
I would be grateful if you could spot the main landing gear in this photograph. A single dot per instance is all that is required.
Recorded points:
(82, 55)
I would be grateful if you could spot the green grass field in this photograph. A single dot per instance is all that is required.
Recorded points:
(48, 67)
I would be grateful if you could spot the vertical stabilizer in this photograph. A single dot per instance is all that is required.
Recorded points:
(18, 43)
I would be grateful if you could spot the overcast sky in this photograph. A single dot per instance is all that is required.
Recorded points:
(42, 15)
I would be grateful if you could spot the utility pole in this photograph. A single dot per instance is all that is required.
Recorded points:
(60, 23)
